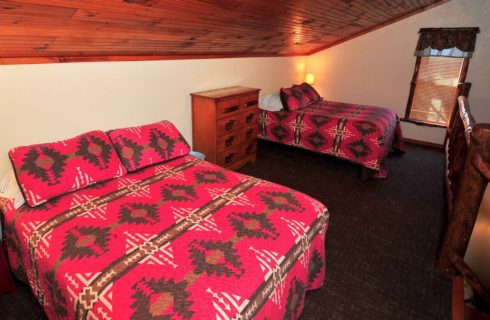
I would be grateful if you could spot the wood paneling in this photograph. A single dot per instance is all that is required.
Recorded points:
(105, 30)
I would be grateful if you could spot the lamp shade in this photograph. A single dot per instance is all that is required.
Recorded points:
(310, 78)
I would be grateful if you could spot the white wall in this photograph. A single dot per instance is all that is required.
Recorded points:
(48, 102)
(377, 68)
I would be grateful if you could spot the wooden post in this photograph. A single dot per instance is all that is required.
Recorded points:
(463, 90)
(467, 198)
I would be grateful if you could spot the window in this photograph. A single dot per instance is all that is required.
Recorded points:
(440, 70)
(436, 89)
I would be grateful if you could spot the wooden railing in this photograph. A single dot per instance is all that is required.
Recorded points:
(467, 176)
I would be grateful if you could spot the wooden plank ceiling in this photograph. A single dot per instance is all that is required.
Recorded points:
(84, 30)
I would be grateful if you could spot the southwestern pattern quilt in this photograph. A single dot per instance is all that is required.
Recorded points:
(185, 239)
(359, 133)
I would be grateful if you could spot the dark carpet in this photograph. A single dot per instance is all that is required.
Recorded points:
(381, 243)
(383, 235)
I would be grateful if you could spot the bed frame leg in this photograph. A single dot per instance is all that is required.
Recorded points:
(366, 173)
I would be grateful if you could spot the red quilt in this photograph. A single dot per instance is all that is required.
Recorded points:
(359, 133)
(184, 239)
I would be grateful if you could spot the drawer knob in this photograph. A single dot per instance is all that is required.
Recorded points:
(229, 125)
(229, 141)
(248, 134)
(248, 149)
(250, 118)
(229, 158)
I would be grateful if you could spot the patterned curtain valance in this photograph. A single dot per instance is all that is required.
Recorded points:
(448, 42)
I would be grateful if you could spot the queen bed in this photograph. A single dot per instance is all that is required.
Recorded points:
(180, 238)
(358, 133)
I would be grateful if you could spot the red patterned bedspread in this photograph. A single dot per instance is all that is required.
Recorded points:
(184, 239)
(359, 133)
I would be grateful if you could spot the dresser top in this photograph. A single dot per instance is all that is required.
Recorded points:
(224, 92)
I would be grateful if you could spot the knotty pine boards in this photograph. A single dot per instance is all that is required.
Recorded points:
(34, 31)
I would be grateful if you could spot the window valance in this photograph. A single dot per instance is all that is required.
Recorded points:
(447, 42)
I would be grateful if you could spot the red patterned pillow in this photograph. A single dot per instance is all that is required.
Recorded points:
(293, 98)
(48, 170)
(142, 146)
(308, 92)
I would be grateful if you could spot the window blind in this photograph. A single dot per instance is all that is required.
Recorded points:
(436, 89)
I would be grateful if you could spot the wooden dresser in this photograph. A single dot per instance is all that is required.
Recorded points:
(224, 125)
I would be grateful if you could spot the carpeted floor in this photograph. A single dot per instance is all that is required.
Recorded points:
(381, 243)
(383, 235)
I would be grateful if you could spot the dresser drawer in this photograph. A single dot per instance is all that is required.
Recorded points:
(249, 133)
(228, 107)
(229, 156)
(230, 140)
(249, 148)
(227, 125)
(249, 117)
(249, 102)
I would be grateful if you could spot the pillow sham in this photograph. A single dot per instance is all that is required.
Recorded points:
(292, 98)
(308, 92)
(271, 102)
(45, 171)
(139, 147)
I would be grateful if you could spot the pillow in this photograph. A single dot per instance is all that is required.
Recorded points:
(292, 98)
(271, 102)
(142, 146)
(308, 92)
(9, 188)
(48, 170)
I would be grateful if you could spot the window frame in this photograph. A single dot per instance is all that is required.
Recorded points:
(461, 89)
